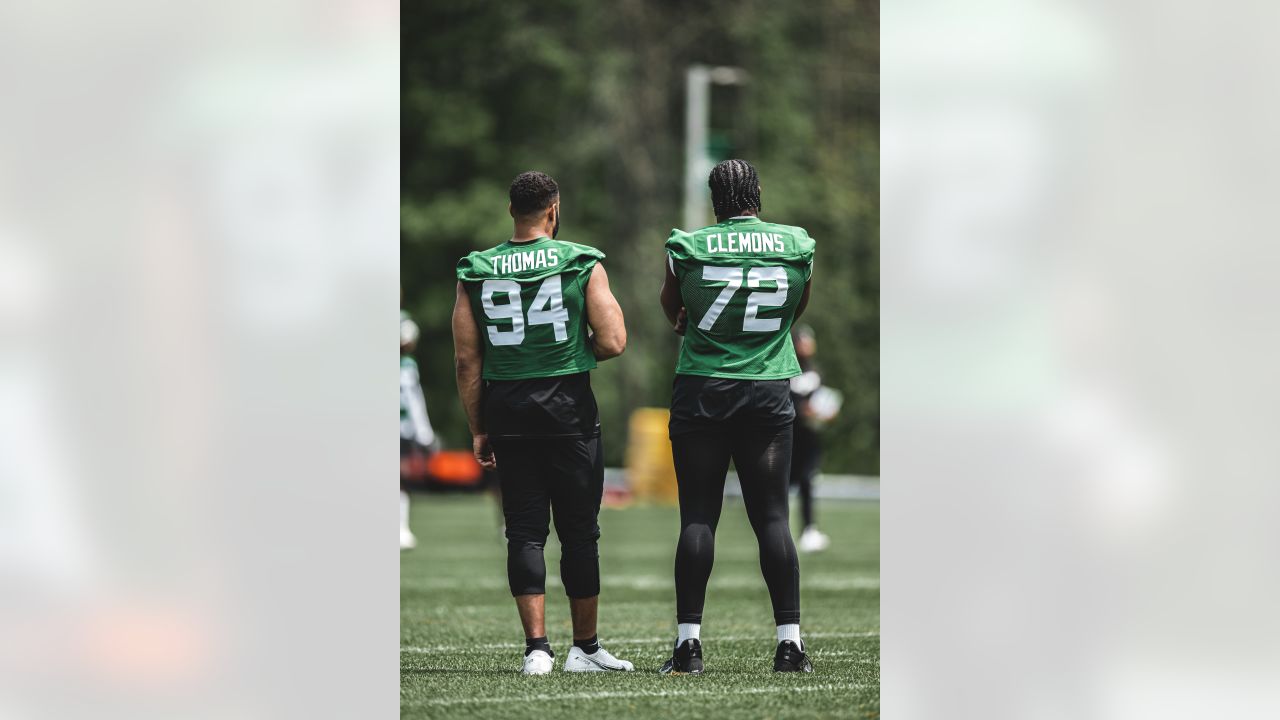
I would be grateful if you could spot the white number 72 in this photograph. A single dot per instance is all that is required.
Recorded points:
(732, 278)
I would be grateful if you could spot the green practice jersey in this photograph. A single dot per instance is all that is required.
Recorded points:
(530, 301)
(741, 281)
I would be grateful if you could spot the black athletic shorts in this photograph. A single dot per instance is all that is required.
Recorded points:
(545, 434)
(554, 407)
(700, 403)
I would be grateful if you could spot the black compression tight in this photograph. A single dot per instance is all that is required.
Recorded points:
(762, 457)
(545, 478)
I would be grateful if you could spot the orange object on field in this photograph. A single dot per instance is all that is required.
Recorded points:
(454, 467)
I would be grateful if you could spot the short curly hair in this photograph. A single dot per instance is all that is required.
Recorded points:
(532, 191)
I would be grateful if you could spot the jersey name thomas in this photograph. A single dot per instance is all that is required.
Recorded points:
(521, 261)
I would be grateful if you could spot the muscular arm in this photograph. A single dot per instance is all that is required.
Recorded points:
(609, 330)
(468, 359)
(672, 303)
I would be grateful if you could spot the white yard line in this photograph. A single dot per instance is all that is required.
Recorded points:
(611, 642)
(654, 582)
(681, 693)
(858, 657)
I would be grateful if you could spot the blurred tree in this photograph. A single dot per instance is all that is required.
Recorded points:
(593, 94)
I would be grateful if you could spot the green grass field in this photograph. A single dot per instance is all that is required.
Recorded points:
(461, 642)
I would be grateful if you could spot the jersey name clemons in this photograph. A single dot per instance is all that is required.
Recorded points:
(529, 260)
(745, 242)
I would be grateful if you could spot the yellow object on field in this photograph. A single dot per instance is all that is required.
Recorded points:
(650, 470)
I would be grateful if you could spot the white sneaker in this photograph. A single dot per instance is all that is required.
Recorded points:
(407, 540)
(537, 662)
(812, 541)
(599, 661)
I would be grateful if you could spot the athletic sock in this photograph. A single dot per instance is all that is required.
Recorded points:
(588, 646)
(538, 643)
(404, 510)
(792, 633)
(687, 631)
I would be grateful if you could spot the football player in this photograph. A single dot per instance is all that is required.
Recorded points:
(532, 317)
(417, 438)
(733, 290)
(816, 405)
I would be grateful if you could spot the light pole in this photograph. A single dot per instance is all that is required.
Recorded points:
(697, 118)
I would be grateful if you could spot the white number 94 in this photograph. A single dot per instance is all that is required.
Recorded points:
(547, 309)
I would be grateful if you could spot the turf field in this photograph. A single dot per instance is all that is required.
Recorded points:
(461, 642)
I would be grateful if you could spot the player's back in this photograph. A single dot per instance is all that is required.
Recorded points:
(529, 301)
(741, 282)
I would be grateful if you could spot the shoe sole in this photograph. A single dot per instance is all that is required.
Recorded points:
(595, 667)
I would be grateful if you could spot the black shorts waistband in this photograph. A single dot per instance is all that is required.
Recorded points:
(700, 403)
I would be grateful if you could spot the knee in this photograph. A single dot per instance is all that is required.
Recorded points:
(772, 526)
(522, 537)
(698, 535)
(584, 542)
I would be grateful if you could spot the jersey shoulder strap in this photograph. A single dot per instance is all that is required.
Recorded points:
(803, 245)
(580, 257)
(680, 244)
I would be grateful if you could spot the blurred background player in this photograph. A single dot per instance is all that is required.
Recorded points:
(734, 289)
(816, 406)
(531, 318)
(417, 438)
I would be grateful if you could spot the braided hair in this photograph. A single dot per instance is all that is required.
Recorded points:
(735, 187)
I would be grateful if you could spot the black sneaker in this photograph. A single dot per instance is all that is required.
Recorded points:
(686, 659)
(790, 658)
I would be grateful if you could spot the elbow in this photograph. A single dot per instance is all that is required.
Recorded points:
(610, 347)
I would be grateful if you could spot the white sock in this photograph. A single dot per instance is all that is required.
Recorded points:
(404, 510)
(792, 633)
(688, 631)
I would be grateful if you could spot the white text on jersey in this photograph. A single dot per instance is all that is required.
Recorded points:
(745, 242)
(529, 260)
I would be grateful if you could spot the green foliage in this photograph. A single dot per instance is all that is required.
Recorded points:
(593, 94)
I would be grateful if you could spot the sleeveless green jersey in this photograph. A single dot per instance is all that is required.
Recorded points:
(530, 301)
(741, 281)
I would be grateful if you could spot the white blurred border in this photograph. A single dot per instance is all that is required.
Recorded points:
(1078, 470)
(199, 217)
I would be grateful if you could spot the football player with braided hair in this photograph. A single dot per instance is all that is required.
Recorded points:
(733, 289)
